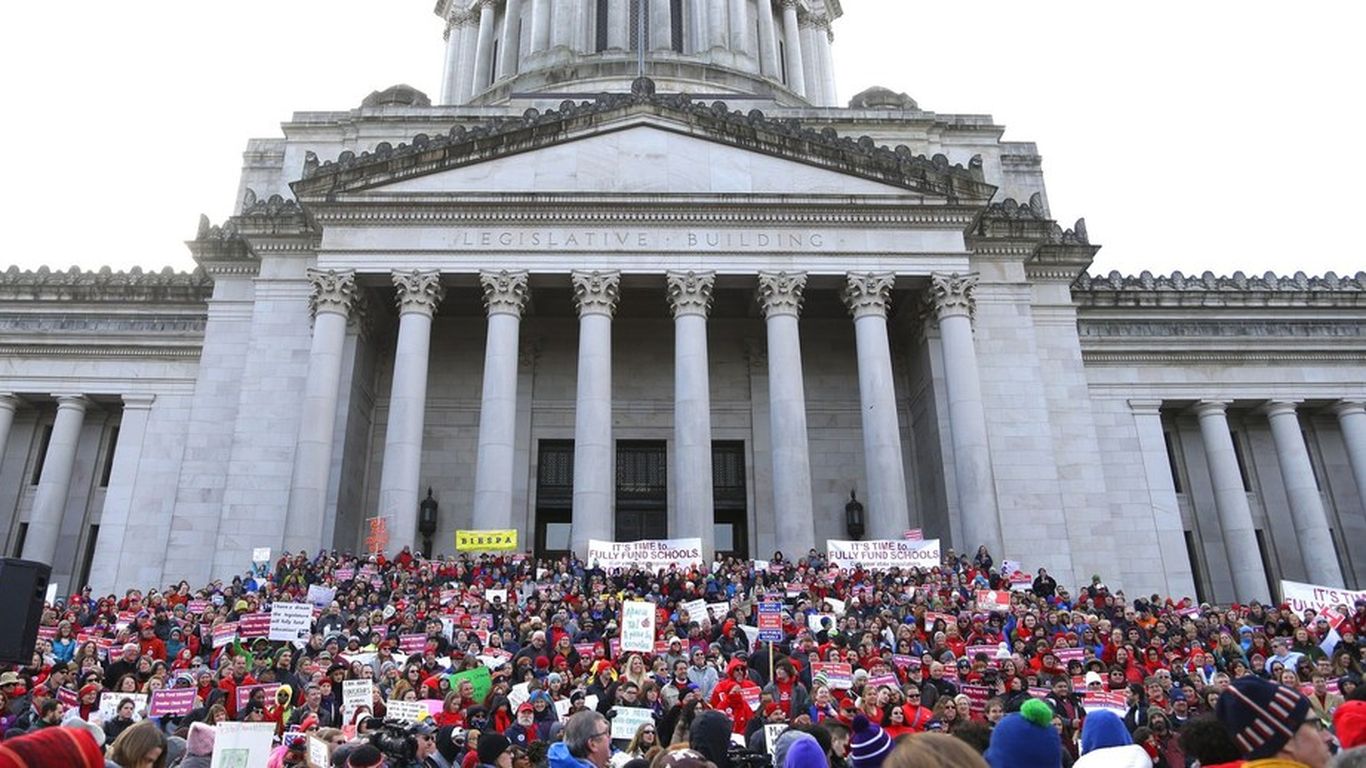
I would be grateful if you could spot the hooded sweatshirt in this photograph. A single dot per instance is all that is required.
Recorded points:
(1105, 743)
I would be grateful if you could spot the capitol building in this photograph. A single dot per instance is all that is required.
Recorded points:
(637, 272)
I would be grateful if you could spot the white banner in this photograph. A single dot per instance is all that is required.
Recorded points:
(638, 626)
(697, 610)
(406, 711)
(652, 554)
(356, 694)
(242, 745)
(883, 554)
(109, 705)
(628, 719)
(290, 622)
(1302, 597)
(320, 596)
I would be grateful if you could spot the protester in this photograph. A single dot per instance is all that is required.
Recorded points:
(1271, 725)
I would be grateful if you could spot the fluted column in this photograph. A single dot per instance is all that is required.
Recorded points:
(619, 25)
(540, 25)
(952, 298)
(824, 38)
(508, 55)
(768, 41)
(505, 296)
(868, 297)
(450, 89)
(1306, 504)
(418, 294)
(780, 295)
(690, 295)
(1352, 422)
(792, 43)
(562, 24)
(469, 44)
(49, 503)
(1230, 500)
(333, 295)
(118, 511)
(811, 76)
(595, 293)
(483, 56)
(8, 405)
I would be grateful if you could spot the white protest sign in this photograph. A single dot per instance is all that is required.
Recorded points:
(718, 611)
(751, 634)
(651, 554)
(260, 555)
(109, 705)
(407, 711)
(1010, 566)
(628, 719)
(817, 621)
(883, 554)
(517, 694)
(638, 626)
(697, 610)
(51, 595)
(771, 733)
(496, 595)
(318, 754)
(320, 596)
(356, 694)
(290, 622)
(242, 745)
(1302, 597)
(836, 606)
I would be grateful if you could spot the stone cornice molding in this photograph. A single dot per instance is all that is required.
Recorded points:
(505, 292)
(952, 295)
(596, 291)
(690, 293)
(1109, 357)
(137, 351)
(331, 290)
(418, 291)
(166, 285)
(780, 293)
(868, 294)
(1284, 286)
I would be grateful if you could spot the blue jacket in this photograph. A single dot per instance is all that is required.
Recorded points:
(559, 757)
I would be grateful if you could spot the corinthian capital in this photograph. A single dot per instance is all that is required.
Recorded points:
(868, 293)
(596, 291)
(419, 291)
(505, 293)
(952, 294)
(690, 292)
(780, 293)
(331, 291)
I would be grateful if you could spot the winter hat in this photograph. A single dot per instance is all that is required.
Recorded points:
(1349, 722)
(1102, 729)
(445, 742)
(175, 750)
(491, 745)
(868, 745)
(73, 720)
(200, 739)
(1261, 716)
(365, 756)
(67, 747)
(805, 753)
(1026, 739)
(783, 744)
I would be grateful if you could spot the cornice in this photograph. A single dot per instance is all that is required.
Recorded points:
(1158, 289)
(1230, 356)
(137, 351)
(75, 284)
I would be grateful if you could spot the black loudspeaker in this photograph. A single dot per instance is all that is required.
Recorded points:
(23, 586)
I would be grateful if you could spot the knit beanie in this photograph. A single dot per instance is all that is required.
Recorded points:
(869, 744)
(783, 744)
(1349, 722)
(67, 747)
(1261, 716)
(805, 753)
(1026, 739)
(491, 745)
(199, 740)
(365, 756)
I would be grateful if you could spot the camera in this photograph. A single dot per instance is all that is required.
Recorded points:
(743, 758)
(398, 745)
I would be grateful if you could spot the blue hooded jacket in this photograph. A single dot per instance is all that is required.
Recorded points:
(559, 757)
(1102, 729)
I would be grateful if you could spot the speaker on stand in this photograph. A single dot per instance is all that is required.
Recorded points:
(23, 587)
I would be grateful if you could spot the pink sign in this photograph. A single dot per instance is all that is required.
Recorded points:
(1069, 654)
(587, 651)
(412, 643)
(244, 693)
(174, 701)
(839, 676)
(67, 697)
(993, 600)
(253, 625)
(197, 607)
(47, 633)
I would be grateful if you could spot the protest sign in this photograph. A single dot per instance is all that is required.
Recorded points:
(883, 554)
(517, 694)
(414, 643)
(587, 651)
(253, 625)
(751, 696)
(651, 554)
(479, 677)
(771, 733)
(977, 697)
(290, 622)
(47, 633)
(318, 754)
(697, 610)
(486, 541)
(628, 719)
(224, 634)
(404, 711)
(356, 694)
(718, 611)
(836, 606)
(914, 534)
(171, 701)
(242, 745)
(1020, 582)
(320, 596)
(1111, 700)
(771, 622)
(993, 600)
(931, 617)
(838, 675)
(971, 651)
(1069, 654)
(820, 621)
(1303, 597)
(496, 595)
(68, 697)
(197, 607)
(260, 555)
(751, 634)
(267, 693)
(906, 662)
(638, 626)
(109, 705)
(1010, 567)
(889, 681)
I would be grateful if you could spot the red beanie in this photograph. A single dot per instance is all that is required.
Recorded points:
(1350, 724)
(52, 748)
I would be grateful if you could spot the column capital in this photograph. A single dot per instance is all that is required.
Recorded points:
(952, 294)
(418, 291)
(70, 400)
(1146, 407)
(8, 402)
(780, 293)
(868, 294)
(138, 402)
(1205, 408)
(486, 5)
(789, 4)
(1280, 406)
(505, 293)
(331, 290)
(1348, 407)
(690, 292)
(596, 291)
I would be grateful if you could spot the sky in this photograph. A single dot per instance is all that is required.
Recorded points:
(1197, 136)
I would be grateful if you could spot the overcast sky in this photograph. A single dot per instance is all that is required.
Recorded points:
(1191, 135)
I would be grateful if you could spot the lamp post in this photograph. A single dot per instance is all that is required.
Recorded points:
(426, 522)
(853, 517)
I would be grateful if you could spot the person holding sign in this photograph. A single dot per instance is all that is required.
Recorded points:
(733, 695)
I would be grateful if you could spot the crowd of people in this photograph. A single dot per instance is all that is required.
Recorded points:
(508, 661)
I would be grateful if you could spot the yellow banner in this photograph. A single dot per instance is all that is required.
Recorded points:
(485, 541)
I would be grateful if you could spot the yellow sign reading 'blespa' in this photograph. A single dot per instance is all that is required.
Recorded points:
(485, 541)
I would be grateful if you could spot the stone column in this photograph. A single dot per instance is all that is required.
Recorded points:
(540, 25)
(780, 295)
(696, 41)
(483, 56)
(1306, 505)
(49, 503)
(505, 295)
(1235, 516)
(1352, 422)
(508, 54)
(1170, 532)
(768, 41)
(331, 300)
(824, 38)
(716, 23)
(562, 24)
(118, 499)
(811, 76)
(419, 295)
(690, 295)
(8, 405)
(469, 43)
(595, 293)
(792, 43)
(868, 296)
(952, 299)
(740, 41)
(619, 25)
(450, 89)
